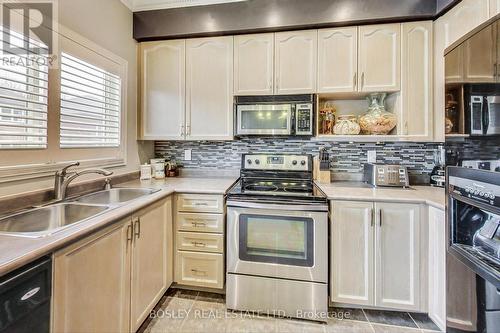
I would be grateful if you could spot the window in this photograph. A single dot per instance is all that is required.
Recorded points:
(23, 96)
(90, 105)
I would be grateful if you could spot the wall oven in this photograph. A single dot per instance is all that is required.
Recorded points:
(473, 262)
(277, 239)
(274, 115)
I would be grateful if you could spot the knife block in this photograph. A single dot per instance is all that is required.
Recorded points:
(321, 176)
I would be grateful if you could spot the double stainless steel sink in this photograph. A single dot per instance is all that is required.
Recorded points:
(44, 221)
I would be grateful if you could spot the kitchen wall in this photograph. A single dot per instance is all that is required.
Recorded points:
(346, 157)
(109, 24)
(486, 148)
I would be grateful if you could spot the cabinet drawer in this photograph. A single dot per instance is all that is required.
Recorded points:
(204, 203)
(200, 269)
(200, 222)
(195, 241)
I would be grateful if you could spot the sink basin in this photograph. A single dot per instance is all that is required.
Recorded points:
(115, 196)
(44, 221)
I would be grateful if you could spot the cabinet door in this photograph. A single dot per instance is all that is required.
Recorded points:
(352, 252)
(296, 62)
(92, 283)
(209, 88)
(151, 259)
(337, 60)
(253, 64)
(162, 90)
(454, 66)
(481, 66)
(437, 267)
(379, 57)
(397, 260)
(417, 79)
(494, 7)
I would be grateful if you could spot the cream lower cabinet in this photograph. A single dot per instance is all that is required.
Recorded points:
(109, 281)
(199, 225)
(376, 254)
(437, 267)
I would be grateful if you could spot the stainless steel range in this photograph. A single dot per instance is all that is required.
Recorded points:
(277, 244)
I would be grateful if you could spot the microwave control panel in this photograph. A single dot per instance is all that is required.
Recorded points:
(304, 119)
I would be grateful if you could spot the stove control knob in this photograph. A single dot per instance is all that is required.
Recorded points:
(294, 162)
(257, 162)
(302, 162)
(249, 161)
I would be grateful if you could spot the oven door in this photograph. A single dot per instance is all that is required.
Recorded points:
(278, 243)
(264, 119)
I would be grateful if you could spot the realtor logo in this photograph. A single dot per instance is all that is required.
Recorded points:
(29, 30)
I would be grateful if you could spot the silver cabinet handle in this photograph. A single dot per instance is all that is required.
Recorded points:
(373, 217)
(129, 232)
(188, 129)
(362, 80)
(137, 227)
(182, 130)
(355, 80)
(198, 244)
(198, 224)
(380, 217)
(199, 272)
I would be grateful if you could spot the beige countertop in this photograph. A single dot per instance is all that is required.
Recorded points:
(432, 196)
(18, 251)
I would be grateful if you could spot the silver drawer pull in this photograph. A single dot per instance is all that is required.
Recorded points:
(200, 204)
(198, 224)
(198, 244)
(198, 272)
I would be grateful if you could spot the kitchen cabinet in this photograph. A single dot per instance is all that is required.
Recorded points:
(379, 58)
(494, 7)
(162, 86)
(417, 71)
(209, 88)
(295, 62)
(199, 225)
(152, 259)
(337, 60)
(437, 267)
(123, 270)
(92, 281)
(480, 66)
(397, 259)
(352, 241)
(254, 64)
(376, 254)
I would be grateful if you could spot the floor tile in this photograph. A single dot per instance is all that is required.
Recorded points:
(347, 313)
(378, 328)
(251, 325)
(390, 318)
(187, 294)
(424, 322)
(348, 326)
(285, 325)
(211, 297)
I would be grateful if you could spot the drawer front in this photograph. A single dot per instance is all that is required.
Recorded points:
(200, 222)
(203, 203)
(195, 241)
(200, 269)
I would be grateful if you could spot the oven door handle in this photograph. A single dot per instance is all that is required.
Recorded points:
(256, 205)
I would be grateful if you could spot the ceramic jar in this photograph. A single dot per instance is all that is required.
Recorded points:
(377, 121)
(347, 125)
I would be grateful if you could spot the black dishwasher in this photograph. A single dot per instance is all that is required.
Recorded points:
(25, 298)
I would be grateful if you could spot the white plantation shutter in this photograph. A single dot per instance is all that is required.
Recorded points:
(23, 94)
(90, 105)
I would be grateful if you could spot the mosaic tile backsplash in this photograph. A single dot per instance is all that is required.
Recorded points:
(346, 157)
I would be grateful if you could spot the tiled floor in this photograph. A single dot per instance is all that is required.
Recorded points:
(194, 312)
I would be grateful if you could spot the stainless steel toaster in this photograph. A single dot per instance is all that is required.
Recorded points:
(386, 175)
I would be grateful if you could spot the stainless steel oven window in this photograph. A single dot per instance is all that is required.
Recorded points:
(476, 115)
(286, 240)
(264, 119)
(493, 115)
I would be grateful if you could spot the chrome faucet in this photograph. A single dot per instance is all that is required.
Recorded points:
(63, 178)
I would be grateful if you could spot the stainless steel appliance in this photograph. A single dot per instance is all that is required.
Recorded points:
(287, 115)
(277, 238)
(473, 261)
(386, 175)
(25, 298)
(490, 165)
(438, 173)
(482, 109)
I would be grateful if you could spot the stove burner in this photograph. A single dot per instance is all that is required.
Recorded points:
(297, 188)
(261, 187)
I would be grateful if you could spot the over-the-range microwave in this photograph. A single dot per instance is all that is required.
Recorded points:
(283, 115)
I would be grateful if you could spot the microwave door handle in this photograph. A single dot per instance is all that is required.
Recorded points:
(292, 119)
(486, 115)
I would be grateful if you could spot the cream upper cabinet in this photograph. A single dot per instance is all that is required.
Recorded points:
(397, 260)
(417, 78)
(437, 267)
(152, 259)
(379, 57)
(92, 282)
(162, 90)
(254, 64)
(296, 62)
(494, 7)
(209, 88)
(464, 17)
(352, 239)
(480, 66)
(337, 60)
